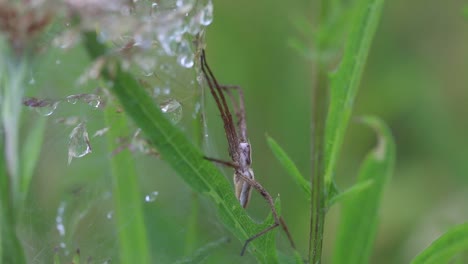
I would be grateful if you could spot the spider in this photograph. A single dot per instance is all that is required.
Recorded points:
(239, 149)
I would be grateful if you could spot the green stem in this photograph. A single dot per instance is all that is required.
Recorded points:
(319, 106)
(319, 114)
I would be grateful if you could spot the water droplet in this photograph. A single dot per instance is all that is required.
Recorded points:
(167, 91)
(48, 109)
(156, 91)
(197, 110)
(78, 145)
(186, 60)
(186, 56)
(32, 81)
(206, 15)
(197, 107)
(101, 132)
(69, 121)
(65, 40)
(151, 197)
(59, 219)
(72, 99)
(110, 214)
(58, 62)
(92, 100)
(184, 4)
(147, 74)
(172, 109)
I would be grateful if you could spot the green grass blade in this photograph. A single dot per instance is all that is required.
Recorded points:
(10, 246)
(30, 154)
(185, 159)
(344, 82)
(359, 212)
(355, 189)
(445, 247)
(289, 166)
(128, 200)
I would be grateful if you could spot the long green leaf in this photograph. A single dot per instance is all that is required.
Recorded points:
(186, 159)
(11, 81)
(289, 166)
(344, 82)
(30, 154)
(359, 214)
(445, 247)
(358, 187)
(127, 197)
(10, 246)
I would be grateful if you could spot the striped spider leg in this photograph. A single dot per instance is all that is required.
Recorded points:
(239, 149)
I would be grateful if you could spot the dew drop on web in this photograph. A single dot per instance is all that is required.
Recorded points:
(92, 100)
(101, 132)
(186, 60)
(172, 109)
(72, 99)
(206, 15)
(78, 145)
(59, 219)
(110, 215)
(151, 197)
(48, 109)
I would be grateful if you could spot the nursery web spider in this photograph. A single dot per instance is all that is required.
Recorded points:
(239, 149)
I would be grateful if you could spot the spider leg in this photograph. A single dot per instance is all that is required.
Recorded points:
(278, 220)
(218, 96)
(223, 162)
(239, 108)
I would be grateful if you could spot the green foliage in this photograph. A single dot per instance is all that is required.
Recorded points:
(359, 212)
(344, 82)
(443, 249)
(127, 197)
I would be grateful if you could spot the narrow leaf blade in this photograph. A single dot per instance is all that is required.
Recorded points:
(30, 154)
(344, 82)
(355, 189)
(133, 241)
(359, 214)
(445, 247)
(289, 166)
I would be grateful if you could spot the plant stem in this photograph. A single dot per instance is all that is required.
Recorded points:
(317, 208)
(319, 114)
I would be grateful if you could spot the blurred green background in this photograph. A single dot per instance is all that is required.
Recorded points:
(415, 79)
